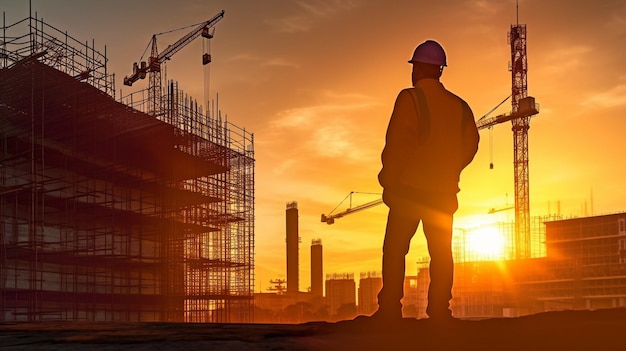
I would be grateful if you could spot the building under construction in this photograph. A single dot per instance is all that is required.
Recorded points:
(585, 267)
(580, 263)
(109, 213)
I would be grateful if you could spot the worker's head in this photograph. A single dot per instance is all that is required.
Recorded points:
(428, 61)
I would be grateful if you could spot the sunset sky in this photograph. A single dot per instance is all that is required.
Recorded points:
(315, 81)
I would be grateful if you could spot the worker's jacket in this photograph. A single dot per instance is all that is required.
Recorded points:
(431, 137)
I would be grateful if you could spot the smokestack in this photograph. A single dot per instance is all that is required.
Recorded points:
(292, 247)
(317, 268)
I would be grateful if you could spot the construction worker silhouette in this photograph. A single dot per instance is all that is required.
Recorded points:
(430, 139)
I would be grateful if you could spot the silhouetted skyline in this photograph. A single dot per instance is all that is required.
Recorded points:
(315, 83)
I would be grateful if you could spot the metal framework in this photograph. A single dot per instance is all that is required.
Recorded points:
(108, 213)
(520, 125)
(523, 107)
(580, 264)
(585, 266)
(462, 250)
(156, 60)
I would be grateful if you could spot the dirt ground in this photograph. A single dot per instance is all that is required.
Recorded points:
(565, 330)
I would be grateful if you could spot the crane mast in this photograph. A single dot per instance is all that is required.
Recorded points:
(153, 67)
(523, 107)
(520, 126)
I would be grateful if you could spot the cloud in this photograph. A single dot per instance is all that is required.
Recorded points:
(324, 130)
(336, 129)
(291, 24)
(613, 97)
(565, 59)
(271, 62)
(241, 57)
(328, 8)
(616, 23)
(336, 139)
(485, 8)
(316, 115)
(309, 13)
(280, 62)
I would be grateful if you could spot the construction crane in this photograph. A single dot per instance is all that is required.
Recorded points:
(523, 107)
(506, 207)
(330, 217)
(153, 67)
(494, 210)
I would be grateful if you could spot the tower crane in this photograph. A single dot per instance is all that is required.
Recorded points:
(494, 210)
(153, 67)
(506, 207)
(523, 107)
(330, 217)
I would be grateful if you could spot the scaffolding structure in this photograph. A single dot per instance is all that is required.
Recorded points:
(108, 213)
(462, 250)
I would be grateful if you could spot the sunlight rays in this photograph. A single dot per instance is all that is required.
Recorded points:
(486, 243)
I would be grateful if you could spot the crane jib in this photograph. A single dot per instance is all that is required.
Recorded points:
(156, 59)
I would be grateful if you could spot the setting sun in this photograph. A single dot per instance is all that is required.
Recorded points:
(485, 244)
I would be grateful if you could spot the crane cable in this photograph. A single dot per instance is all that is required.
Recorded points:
(493, 109)
(148, 46)
(491, 130)
(206, 48)
(350, 196)
(166, 32)
(490, 148)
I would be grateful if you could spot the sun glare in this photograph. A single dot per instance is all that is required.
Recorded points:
(485, 244)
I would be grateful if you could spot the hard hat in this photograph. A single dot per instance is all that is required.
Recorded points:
(429, 52)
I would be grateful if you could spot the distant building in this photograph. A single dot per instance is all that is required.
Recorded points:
(273, 302)
(280, 308)
(369, 286)
(341, 295)
(411, 299)
(483, 289)
(585, 266)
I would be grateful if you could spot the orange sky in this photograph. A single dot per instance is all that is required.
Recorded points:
(315, 82)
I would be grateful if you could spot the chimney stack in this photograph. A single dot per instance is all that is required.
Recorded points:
(317, 268)
(293, 240)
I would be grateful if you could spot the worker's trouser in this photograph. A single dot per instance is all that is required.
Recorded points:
(401, 226)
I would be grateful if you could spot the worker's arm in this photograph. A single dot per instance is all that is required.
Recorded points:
(470, 136)
(400, 136)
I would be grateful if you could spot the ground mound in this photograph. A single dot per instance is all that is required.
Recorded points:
(564, 330)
